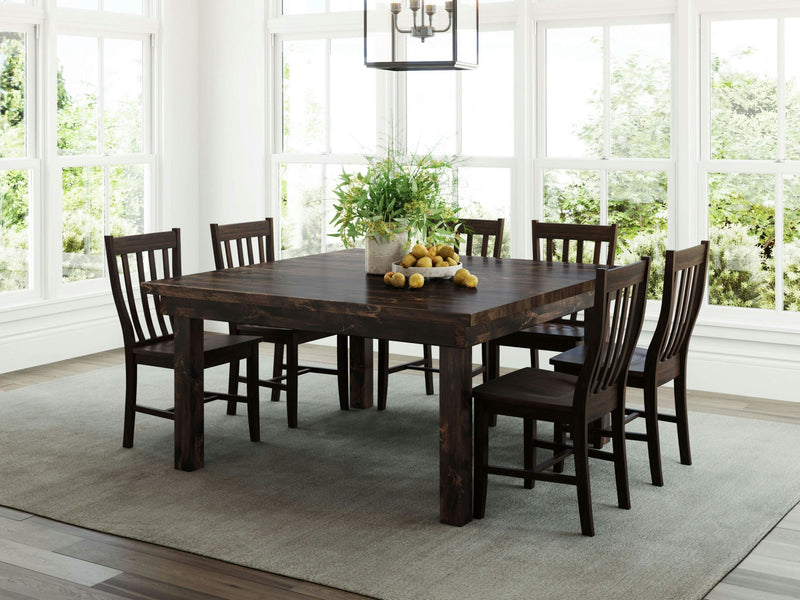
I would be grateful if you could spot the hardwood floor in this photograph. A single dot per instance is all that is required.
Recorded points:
(42, 559)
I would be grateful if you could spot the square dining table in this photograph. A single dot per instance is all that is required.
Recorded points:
(331, 293)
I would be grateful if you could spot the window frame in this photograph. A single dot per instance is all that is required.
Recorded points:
(48, 21)
(31, 162)
(779, 167)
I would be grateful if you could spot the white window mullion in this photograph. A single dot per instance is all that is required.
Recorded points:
(106, 200)
(101, 141)
(606, 91)
(778, 247)
(781, 89)
(603, 196)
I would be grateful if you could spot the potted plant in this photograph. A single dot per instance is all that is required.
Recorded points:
(397, 199)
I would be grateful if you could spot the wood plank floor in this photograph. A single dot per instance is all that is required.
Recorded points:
(42, 559)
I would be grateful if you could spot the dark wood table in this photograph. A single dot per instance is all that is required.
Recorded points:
(331, 293)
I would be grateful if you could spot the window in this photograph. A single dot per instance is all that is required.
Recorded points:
(97, 150)
(18, 165)
(605, 131)
(751, 149)
(100, 113)
(329, 121)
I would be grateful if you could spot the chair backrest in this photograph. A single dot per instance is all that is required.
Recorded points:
(684, 286)
(578, 243)
(144, 257)
(487, 229)
(612, 330)
(241, 244)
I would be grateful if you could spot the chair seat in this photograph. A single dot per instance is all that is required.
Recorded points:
(547, 336)
(217, 350)
(571, 362)
(280, 335)
(526, 389)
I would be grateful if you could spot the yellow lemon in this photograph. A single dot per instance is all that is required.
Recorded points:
(446, 251)
(471, 281)
(398, 280)
(443, 263)
(409, 260)
(387, 279)
(416, 281)
(437, 259)
(425, 261)
(419, 251)
(456, 258)
(451, 261)
(460, 276)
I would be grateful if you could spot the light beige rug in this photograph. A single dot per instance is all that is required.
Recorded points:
(350, 499)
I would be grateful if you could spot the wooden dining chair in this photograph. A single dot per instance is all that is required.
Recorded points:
(490, 233)
(563, 242)
(571, 401)
(148, 336)
(242, 244)
(664, 359)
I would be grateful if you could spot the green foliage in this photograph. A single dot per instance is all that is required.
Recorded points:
(652, 244)
(737, 274)
(12, 90)
(397, 193)
(791, 276)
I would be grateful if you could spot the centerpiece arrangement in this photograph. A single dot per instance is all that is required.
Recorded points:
(399, 199)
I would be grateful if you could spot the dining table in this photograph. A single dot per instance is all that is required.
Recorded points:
(331, 293)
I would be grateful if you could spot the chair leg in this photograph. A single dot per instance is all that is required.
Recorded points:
(277, 371)
(581, 446)
(233, 385)
(493, 360)
(529, 435)
(253, 420)
(651, 426)
(560, 442)
(383, 373)
(682, 419)
(534, 358)
(427, 354)
(291, 384)
(481, 458)
(620, 457)
(341, 371)
(485, 362)
(130, 401)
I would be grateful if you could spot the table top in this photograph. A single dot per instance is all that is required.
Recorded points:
(331, 293)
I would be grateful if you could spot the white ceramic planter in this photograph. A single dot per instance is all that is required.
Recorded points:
(381, 254)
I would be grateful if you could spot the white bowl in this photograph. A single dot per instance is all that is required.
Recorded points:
(427, 272)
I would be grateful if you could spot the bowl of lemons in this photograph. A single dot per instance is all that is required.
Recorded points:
(433, 262)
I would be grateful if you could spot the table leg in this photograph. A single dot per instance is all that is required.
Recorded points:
(360, 372)
(188, 393)
(455, 435)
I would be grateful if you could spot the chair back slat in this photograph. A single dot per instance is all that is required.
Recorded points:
(601, 240)
(143, 295)
(163, 331)
(141, 321)
(612, 331)
(242, 244)
(684, 286)
(490, 231)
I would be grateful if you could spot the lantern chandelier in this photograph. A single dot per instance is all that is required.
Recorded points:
(394, 35)
(422, 31)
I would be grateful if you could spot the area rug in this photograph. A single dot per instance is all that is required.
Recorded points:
(350, 498)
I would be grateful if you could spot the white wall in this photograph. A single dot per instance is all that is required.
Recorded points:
(213, 169)
(180, 126)
(232, 116)
(54, 330)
